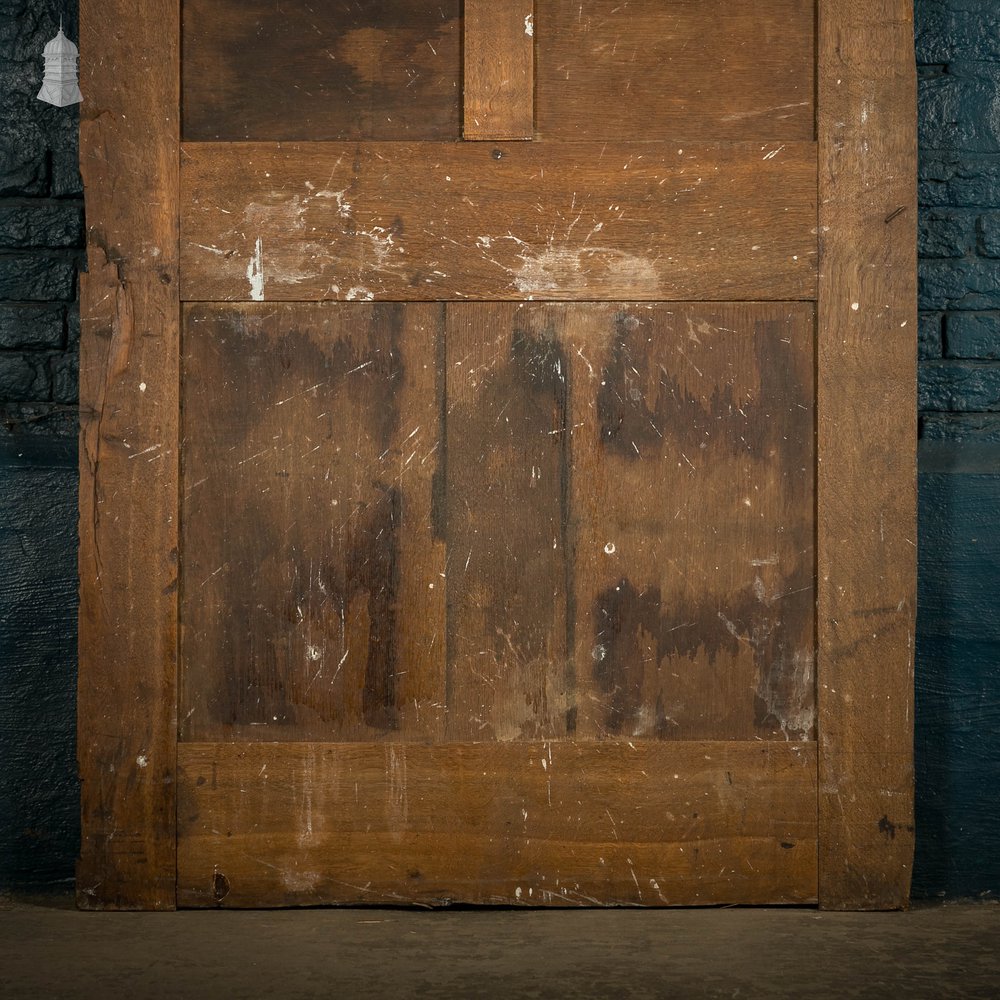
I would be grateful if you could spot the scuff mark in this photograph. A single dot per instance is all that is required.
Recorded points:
(255, 272)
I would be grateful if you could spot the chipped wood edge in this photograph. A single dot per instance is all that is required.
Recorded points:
(129, 375)
(498, 80)
(866, 480)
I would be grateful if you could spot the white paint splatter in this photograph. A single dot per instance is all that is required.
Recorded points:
(142, 760)
(359, 294)
(255, 273)
(529, 25)
(610, 549)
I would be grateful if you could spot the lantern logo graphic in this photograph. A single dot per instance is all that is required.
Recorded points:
(60, 86)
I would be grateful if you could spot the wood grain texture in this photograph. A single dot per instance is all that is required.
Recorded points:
(128, 457)
(511, 221)
(312, 582)
(508, 515)
(630, 501)
(693, 519)
(550, 824)
(499, 80)
(867, 440)
(684, 71)
(254, 69)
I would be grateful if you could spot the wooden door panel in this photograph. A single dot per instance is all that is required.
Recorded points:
(312, 588)
(529, 823)
(512, 221)
(605, 70)
(255, 69)
(676, 70)
(630, 492)
(498, 521)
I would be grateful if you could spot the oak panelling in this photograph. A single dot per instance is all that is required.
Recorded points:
(867, 446)
(532, 823)
(255, 69)
(681, 71)
(692, 501)
(510, 221)
(499, 81)
(508, 511)
(129, 309)
(630, 520)
(312, 576)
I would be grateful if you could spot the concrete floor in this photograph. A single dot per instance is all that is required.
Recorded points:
(47, 949)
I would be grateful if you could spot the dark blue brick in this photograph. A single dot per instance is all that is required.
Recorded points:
(961, 428)
(971, 283)
(41, 224)
(65, 369)
(948, 178)
(957, 108)
(36, 278)
(947, 30)
(959, 385)
(31, 326)
(23, 377)
(947, 232)
(972, 335)
(929, 335)
(988, 234)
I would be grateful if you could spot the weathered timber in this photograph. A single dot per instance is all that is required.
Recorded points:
(128, 457)
(866, 499)
(499, 82)
(498, 221)
(313, 584)
(534, 824)
(254, 69)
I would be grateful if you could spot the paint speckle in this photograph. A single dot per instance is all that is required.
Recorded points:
(610, 549)
(255, 273)
(313, 652)
(529, 25)
(142, 760)
(142, 385)
(855, 306)
(599, 652)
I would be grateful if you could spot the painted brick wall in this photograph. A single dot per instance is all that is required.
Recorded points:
(958, 643)
(958, 54)
(958, 602)
(41, 236)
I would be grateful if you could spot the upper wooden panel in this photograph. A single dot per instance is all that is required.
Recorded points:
(499, 78)
(255, 69)
(661, 69)
(487, 221)
(678, 70)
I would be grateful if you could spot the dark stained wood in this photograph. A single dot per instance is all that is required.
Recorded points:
(313, 574)
(867, 442)
(508, 511)
(630, 521)
(499, 80)
(511, 221)
(680, 71)
(533, 823)
(128, 457)
(255, 69)
(692, 504)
